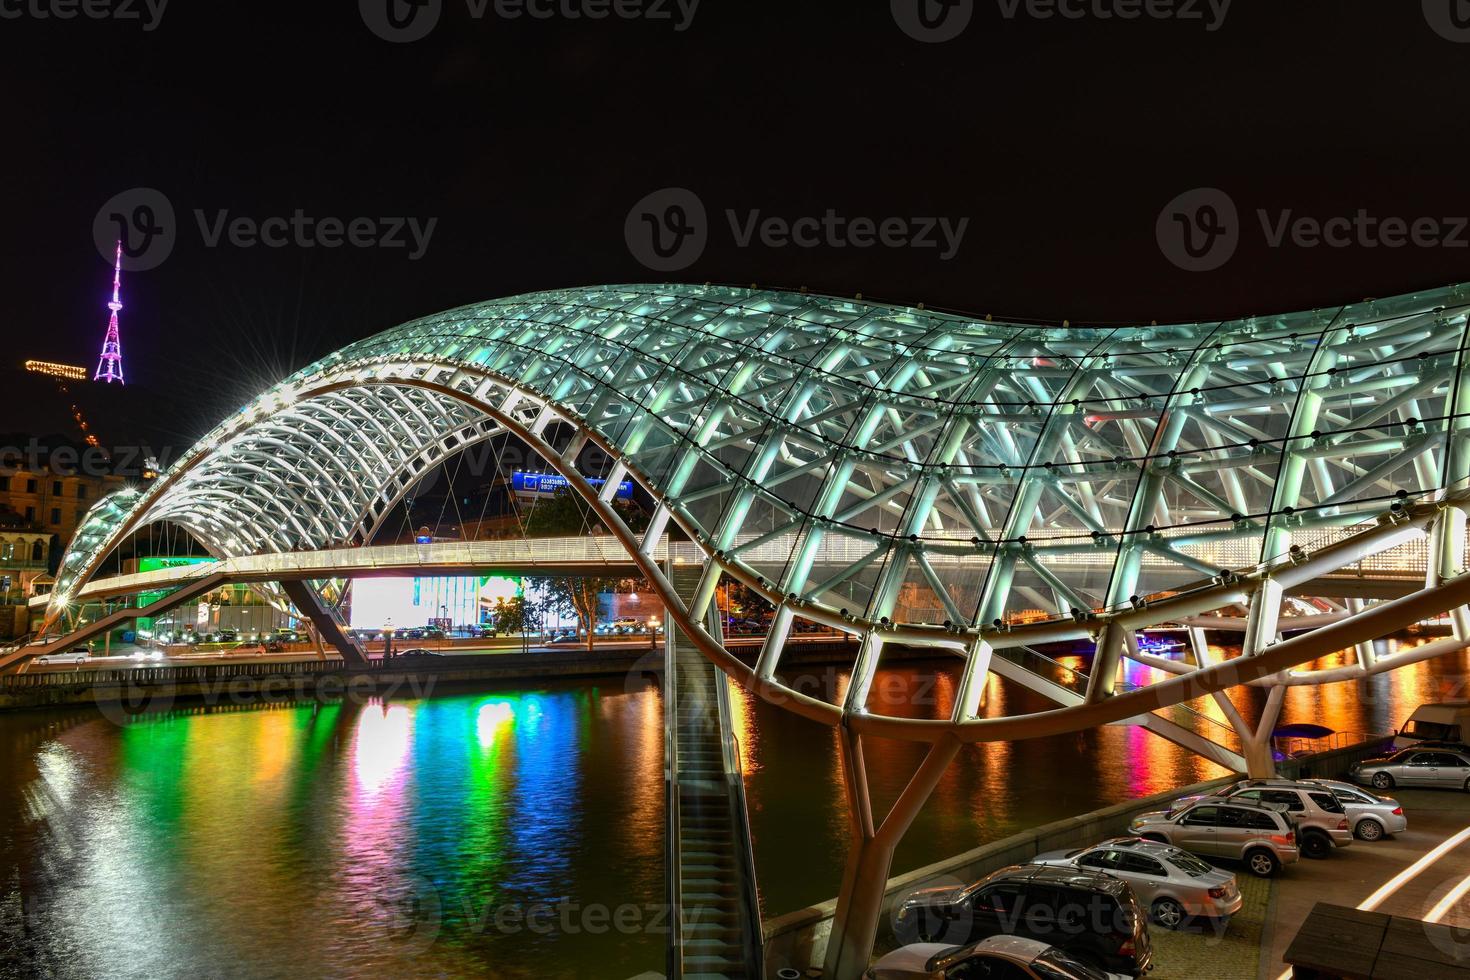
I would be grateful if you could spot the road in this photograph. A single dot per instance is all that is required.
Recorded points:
(1399, 876)
(135, 657)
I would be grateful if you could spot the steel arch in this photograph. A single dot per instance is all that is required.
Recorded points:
(895, 472)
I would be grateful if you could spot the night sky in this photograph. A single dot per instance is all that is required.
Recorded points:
(528, 140)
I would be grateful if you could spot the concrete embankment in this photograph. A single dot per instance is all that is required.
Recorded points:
(143, 688)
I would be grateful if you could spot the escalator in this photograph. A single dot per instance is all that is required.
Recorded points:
(715, 911)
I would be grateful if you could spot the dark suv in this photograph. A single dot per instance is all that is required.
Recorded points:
(1093, 917)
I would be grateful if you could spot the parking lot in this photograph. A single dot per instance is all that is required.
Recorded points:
(1423, 873)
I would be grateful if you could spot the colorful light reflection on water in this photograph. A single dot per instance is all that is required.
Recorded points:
(412, 838)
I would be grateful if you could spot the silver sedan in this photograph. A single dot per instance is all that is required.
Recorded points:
(1370, 815)
(1414, 769)
(1171, 883)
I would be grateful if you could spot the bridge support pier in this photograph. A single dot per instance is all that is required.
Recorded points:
(870, 857)
(309, 604)
(1255, 742)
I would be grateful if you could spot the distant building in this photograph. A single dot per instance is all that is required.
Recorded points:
(25, 552)
(51, 499)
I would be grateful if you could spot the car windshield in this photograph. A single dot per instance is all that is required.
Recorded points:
(1190, 864)
(1426, 729)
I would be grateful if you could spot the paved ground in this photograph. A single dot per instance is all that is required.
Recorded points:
(1252, 945)
(1352, 876)
(1230, 951)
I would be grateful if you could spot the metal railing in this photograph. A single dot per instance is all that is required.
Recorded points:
(1061, 551)
(672, 842)
(1295, 747)
(751, 935)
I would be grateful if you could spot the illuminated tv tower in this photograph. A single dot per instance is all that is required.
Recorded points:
(109, 366)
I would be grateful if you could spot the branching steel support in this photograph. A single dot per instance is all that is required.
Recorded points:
(870, 852)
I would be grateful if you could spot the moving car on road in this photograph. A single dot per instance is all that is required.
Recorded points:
(1415, 768)
(1260, 834)
(75, 655)
(1010, 957)
(1168, 881)
(1093, 918)
(417, 653)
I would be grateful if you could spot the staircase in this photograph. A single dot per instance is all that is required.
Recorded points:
(711, 875)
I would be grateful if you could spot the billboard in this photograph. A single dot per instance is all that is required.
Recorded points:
(410, 602)
(548, 484)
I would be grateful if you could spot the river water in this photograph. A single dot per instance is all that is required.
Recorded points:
(506, 832)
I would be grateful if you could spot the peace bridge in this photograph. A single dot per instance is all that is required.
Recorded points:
(908, 477)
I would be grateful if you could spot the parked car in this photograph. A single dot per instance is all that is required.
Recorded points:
(1094, 918)
(1371, 816)
(1434, 743)
(1168, 881)
(1012, 957)
(1415, 768)
(1315, 809)
(1260, 834)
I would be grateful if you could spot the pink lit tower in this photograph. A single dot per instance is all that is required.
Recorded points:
(109, 366)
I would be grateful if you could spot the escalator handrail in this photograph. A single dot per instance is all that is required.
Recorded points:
(752, 935)
(672, 884)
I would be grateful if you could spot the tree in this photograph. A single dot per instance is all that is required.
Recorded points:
(574, 595)
(567, 514)
(516, 616)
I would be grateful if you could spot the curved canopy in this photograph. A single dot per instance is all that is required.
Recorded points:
(890, 463)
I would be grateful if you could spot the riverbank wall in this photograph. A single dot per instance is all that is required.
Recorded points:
(139, 688)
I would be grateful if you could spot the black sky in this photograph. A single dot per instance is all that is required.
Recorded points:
(529, 140)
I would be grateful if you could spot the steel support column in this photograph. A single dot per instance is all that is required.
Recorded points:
(870, 854)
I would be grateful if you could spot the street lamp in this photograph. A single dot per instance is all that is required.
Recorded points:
(653, 632)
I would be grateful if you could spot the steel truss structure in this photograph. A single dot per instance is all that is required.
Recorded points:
(913, 476)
